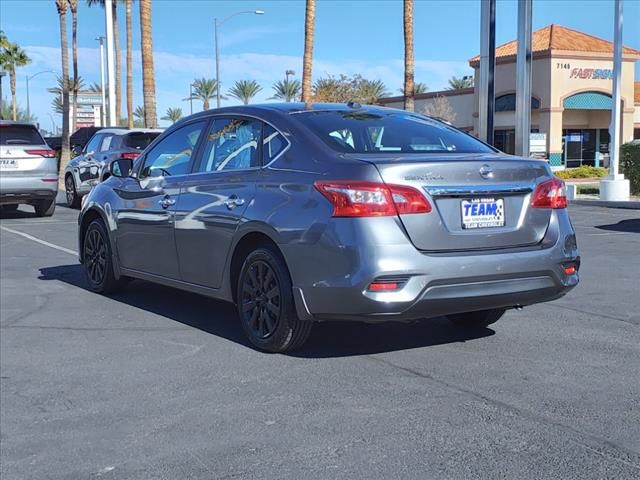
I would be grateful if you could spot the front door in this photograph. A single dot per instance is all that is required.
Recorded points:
(145, 235)
(214, 198)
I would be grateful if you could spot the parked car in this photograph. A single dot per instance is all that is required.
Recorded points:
(88, 168)
(303, 213)
(28, 169)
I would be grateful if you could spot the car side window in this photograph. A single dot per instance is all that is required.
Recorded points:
(94, 143)
(173, 154)
(232, 144)
(273, 143)
(106, 143)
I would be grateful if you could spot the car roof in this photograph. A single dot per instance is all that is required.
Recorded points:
(19, 124)
(125, 130)
(294, 107)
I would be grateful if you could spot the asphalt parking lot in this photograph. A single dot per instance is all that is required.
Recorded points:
(158, 383)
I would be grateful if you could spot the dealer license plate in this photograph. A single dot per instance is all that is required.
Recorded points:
(8, 164)
(482, 213)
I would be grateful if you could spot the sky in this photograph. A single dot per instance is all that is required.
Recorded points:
(351, 36)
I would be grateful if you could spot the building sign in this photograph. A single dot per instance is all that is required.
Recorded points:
(592, 73)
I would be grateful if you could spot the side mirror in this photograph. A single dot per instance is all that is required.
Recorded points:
(76, 150)
(121, 167)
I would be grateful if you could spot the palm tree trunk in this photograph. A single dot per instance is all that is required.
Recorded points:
(12, 83)
(116, 46)
(205, 104)
(148, 78)
(64, 153)
(129, 67)
(309, 27)
(74, 47)
(409, 103)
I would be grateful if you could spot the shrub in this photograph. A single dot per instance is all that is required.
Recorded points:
(588, 190)
(630, 164)
(584, 171)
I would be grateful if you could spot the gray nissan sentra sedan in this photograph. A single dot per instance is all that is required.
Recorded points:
(302, 213)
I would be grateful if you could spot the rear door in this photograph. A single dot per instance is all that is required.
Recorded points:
(214, 198)
(145, 222)
(479, 201)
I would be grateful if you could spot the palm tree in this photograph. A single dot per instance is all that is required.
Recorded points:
(456, 83)
(245, 90)
(138, 113)
(129, 65)
(173, 115)
(370, 91)
(116, 46)
(204, 89)
(61, 6)
(73, 6)
(95, 87)
(148, 75)
(287, 90)
(408, 56)
(309, 27)
(14, 56)
(418, 88)
(6, 112)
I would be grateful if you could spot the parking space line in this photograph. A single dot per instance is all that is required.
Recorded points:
(37, 223)
(38, 240)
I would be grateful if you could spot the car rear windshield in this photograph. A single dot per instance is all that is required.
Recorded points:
(363, 131)
(139, 140)
(20, 135)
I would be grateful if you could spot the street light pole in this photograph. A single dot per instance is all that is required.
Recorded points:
(217, 24)
(29, 78)
(215, 28)
(103, 112)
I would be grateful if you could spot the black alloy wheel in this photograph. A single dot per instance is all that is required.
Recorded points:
(73, 200)
(261, 304)
(265, 303)
(98, 260)
(95, 256)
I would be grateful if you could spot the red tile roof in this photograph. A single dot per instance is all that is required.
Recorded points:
(556, 37)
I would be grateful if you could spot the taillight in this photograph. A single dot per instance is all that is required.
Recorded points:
(550, 194)
(129, 155)
(371, 199)
(42, 152)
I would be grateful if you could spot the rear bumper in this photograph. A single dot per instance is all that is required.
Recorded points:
(25, 189)
(436, 284)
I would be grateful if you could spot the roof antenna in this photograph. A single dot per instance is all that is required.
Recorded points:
(352, 104)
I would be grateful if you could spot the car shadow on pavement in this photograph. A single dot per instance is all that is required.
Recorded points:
(17, 214)
(328, 339)
(630, 226)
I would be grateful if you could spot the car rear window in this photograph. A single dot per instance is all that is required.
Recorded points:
(139, 140)
(362, 131)
(20, 135)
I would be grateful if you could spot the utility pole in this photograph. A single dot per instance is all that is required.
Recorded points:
(113, 121)
(614, 187)
(523, 79)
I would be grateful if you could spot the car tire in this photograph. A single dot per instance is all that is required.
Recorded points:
(98, 260)
(480, 319)
(265, 304)
(73, 199)
(45, 208)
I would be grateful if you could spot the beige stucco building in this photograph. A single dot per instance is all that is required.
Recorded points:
(571, 96)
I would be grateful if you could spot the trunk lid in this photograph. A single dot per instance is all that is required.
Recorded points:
(480, 201)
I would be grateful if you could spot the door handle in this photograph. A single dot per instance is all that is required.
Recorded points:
(166, 202)
(234, 201)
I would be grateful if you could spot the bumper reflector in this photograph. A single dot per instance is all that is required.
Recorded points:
(381, 287)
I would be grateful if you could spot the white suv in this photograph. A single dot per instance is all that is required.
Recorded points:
(28, 169)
